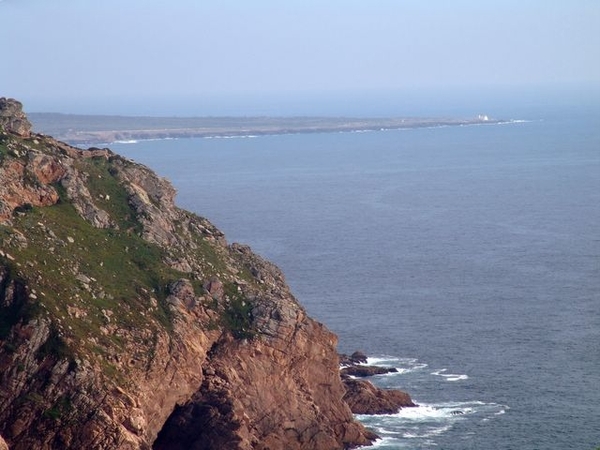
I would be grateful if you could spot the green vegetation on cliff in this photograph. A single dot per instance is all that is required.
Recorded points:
(90, 280)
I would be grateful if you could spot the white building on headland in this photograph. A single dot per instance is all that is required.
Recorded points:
(483, 117)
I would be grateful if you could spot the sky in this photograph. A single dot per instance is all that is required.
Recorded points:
(69, 55)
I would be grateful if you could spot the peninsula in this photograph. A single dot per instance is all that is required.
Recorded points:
(82, 130)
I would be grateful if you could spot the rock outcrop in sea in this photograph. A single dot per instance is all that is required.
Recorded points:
(129, 323)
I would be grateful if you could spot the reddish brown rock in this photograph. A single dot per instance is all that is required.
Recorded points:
(12, 118)
(21, 187)
(364, 398)
(178, 341)
(47, 170)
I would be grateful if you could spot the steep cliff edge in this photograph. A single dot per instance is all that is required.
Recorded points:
(128, 323)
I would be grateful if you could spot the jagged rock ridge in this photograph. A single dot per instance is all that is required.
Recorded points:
(12, 117)
(128, 323)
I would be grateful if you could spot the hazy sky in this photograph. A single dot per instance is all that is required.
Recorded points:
(67, 50)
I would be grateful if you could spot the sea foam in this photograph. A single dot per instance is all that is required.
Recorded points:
(450, 376)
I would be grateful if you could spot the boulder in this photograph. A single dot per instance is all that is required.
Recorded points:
(357, 357)
(364, 398)
(12, 117)
(367, 371)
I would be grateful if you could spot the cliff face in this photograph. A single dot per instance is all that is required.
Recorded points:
(128, 323)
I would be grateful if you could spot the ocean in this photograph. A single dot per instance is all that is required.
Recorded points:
(467, 257)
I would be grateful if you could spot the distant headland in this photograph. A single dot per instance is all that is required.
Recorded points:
(94, 129)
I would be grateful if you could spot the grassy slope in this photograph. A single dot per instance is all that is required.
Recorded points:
(84, 278)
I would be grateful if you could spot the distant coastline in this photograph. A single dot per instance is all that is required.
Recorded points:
(82, 130)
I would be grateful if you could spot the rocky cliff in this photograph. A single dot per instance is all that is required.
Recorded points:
(128, 323)
(12, 117)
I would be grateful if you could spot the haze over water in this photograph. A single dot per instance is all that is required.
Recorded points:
(469, 257)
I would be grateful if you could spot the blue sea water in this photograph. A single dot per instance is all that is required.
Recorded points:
(467, 257)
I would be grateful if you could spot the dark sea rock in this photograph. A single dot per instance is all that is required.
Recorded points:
(361, 395)
(367, 371)
(357, 357)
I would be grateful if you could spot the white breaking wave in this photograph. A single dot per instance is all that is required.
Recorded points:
(450, 376)
(432, 432)
(424, 412)
(512, 121)
(359, 131)
(241, 136)
(381, 360)
(382, 443)
(137, 141)
(425, 424)
(402, 365)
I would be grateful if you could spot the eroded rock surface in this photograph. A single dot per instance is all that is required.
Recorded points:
(12, 117)
(364, 398)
